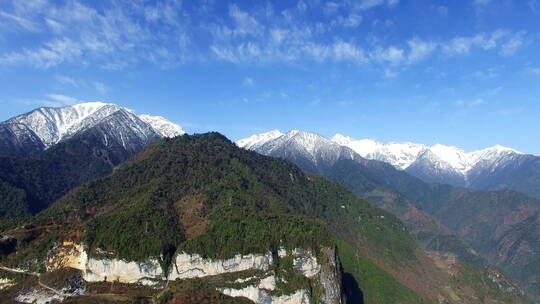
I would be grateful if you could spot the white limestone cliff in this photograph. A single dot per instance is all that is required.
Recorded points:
(261, 289)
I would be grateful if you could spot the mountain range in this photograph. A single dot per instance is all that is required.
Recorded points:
(42, 128)
(94, 196)
(195, 219)
(493, 168)
(497, 226)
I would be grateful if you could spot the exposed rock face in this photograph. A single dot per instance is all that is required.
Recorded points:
(330, 277)
(322, 268)
(191, 266)
(258, 295)
(98, 270)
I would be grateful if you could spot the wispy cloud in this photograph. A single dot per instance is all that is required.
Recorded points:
(66, 80)
(470, 103)
(62, 100)
(20, 21)
(533, 70)
(169, 33)
(481, 2)
(52, 100)
(248, 82)
(516, 41)
(101, 88)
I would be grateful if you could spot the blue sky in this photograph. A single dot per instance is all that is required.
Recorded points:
(463, 73)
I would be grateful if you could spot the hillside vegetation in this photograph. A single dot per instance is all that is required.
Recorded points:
(202, 194)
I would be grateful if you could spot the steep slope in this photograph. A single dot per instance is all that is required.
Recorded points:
(31, 183)
(203, 196)
(367, 178)
(436, 214)
(522, 174)
(42, 128)
(199, 208)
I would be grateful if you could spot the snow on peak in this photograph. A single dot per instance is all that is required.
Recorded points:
(455, 157)
(162, 126)
(52, 124)
(257, 140)
(400, 155)
(310, 141)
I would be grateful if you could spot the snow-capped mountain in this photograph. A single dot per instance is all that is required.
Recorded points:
(496, 167)
(258, 140)
(404, 155)
(44, 127)
(164, 127)
(438, 163)
(400, 155)
(311, 147)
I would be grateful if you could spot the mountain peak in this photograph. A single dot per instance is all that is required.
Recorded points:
(258, 140)
(162, 126)
(44, 127)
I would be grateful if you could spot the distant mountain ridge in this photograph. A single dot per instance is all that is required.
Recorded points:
(500, 225)
(492, 168)
(44, 127)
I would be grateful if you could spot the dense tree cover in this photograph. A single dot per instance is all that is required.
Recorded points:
(202, 194)
(30, 184)
(251, 202)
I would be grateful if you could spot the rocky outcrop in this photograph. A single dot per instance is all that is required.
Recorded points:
(194, 266)
(322, 269)
(262, 296)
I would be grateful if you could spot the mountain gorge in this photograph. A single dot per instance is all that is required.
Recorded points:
(442, 217)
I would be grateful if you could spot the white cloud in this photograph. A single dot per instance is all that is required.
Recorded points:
(20, 21)
(245, 23)
(534, 5)
(66, 80)
(165, 33)
(388, 73)
(51, 54)
(420, 49)
(534, 71)
(489, 73)
(101, 88)
(248, 82)
(470, 103)
(344, 51)
(59, 100)
(516, 42)
(350, 21)
(463, 45)
(392, 55)
(369, 4)
(481, 2)
(443, 10)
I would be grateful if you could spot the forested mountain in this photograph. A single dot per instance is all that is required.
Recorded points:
(183, 208)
